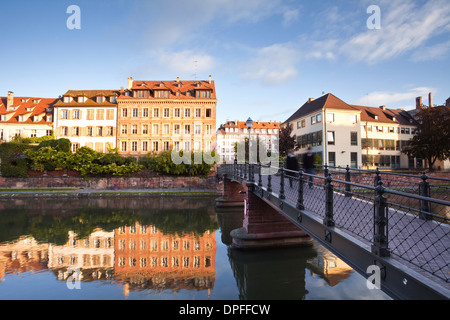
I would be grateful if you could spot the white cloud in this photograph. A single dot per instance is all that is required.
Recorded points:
(275, 64)
(290, 16)
(404, 27)
(386, 98)
(434, 52)
(184, 63)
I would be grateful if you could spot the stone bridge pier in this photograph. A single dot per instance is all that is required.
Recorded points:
(263, 226)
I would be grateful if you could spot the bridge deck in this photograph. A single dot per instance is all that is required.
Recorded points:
(421, 245)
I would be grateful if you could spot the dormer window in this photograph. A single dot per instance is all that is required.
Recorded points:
(113, 99)
(67, 99)
(36, 101)
(35, 118)
(82, 99)
(24, 100)
(203, 94)
(141, 94)
(100, 99)
(162, 94)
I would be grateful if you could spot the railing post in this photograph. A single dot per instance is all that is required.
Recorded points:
(348, 189)
(380, 223)
(300, 204)
(269, 179)
(329, 219)
(251, 172)
(235, 168)
(282, 196)
(377, 178)
(424, 191)
(245, 170)
(259, 173)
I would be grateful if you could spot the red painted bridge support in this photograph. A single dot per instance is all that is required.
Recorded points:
(233, 194)
(264, 227)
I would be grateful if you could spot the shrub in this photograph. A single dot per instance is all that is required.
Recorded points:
(15, 168)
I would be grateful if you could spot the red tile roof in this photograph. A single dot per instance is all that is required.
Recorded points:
(174, 86)
(38, 106)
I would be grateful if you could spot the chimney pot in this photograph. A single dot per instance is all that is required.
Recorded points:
(130, 83)
(430, 99)
(418, 102)
(10, 100)
(210, 79)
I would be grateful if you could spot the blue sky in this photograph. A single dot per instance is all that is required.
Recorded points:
(266, 56)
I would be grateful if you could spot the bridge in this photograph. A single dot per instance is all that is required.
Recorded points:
(398, 224)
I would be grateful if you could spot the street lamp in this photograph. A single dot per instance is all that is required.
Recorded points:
(249, 124)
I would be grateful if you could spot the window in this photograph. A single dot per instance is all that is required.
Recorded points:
(100, 99)
(198, 113)
(110, 131)
(134, 146)
(33, 133)
(82, 99)
(124, 113)
(208, 113)
(332, 159)
(64, 114)
(313, 120)
(187, 113)
(90, 114)
(303, 123)
(124, 146)
(331, 140)
(176, 129)
(113, 99)
(141, 94)
(166, 112)
(134, 129)
(145, 112)
(90, 131)
(198, 129)
(155, 129)
(162, 94)
(67, 99)
(76, 131)
(319, 118)
(64, 131)
(110, 114)
(145, 129)
(187, 129)
(208, 129)
(166, 129)
(156, 113)
(76, 114)
(176, 145)
(100, 131)
(354, 138)
(100, 114)
(144, 146)
(75, 147)
(124, 129)
(155, 146)
(354, 160)
(166, 145)
(187, 146)
(135, 113)
(176, 113)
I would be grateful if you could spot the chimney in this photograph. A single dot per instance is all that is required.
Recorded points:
(383, 107)
(210, 79)
(178, 79)
(130, 83)
(10, 100)
(418, 102)
(430, 99)
(311, 100)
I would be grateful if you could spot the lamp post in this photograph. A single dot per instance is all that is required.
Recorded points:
(249, 124)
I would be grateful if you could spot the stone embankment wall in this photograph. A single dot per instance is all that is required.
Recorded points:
(143, 181)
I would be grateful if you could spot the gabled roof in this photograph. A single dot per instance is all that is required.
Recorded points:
(256, 125)
(328, 101)
(44, 106)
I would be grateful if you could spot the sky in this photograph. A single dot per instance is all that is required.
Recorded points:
(267, 57)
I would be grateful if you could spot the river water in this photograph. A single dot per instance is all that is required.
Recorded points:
(155, 248)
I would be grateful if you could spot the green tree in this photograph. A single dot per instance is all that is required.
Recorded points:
(433, 139)
(287, 141)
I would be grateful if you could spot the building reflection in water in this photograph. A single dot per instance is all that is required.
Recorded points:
(140, 256)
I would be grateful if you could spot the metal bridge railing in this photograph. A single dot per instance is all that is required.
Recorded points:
(403, 222)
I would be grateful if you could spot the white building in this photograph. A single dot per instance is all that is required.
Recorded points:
(88, 119)
(25, 117)
(358, 136)
(234, 132)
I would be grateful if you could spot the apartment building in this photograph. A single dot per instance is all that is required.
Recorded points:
(359, 136)
(233, 132)
(88, 118)
(155, 116)
(25, 116)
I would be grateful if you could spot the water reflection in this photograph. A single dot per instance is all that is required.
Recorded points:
(151, 246)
